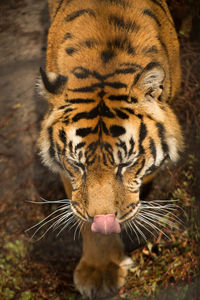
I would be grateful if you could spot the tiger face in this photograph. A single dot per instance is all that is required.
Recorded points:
(106, 132)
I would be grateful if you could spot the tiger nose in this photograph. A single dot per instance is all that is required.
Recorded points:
(105, 224)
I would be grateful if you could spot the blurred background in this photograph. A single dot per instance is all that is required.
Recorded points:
(165, 269)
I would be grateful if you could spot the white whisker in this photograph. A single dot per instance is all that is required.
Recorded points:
(134, 230)
(54, 212)
(140, 231)
(160, 201)
(138, 219)
(44, 224)
(44, 201)
(129, 227)
(150, 220)
(80, 228)
(77, 227)
(163, 218)
(65, 217)
(76, 221)
(165, 214)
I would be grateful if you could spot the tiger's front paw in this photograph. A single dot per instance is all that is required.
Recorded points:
(97, 282)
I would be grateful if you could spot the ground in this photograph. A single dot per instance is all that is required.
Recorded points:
(31, 269)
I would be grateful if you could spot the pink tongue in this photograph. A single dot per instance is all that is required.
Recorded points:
(105, 224)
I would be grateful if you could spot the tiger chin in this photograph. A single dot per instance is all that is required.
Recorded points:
(112, 69)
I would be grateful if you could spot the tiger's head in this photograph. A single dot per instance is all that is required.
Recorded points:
(106, 133)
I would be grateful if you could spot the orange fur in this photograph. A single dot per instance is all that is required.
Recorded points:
(112, 70)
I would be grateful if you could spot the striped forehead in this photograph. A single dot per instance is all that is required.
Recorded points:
(86, 86)
(114, 145)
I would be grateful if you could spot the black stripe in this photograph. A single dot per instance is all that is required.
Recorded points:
(68, 110)
(125, 215)
(66, 121)
(100, 110)
(149, 13)
(80, 155)
(86, 89)
(80, 100)
(120, 167)
(133, 100)
(130, 110)
(132, 205)
(108, 148)
(79, 145)
(118, 98)
(107, 55)
(93, 87)
(121, 114)
(58, 7)
(104, 159)
(63, 106)
(116, 85)
(161, 134)
(125, 71)
(79, 165)
(143, 132)
(139, 116)
(122, 145)
(82, 216)
(90, 153)
(62, 136)
(163, 9)
(81, 72)
(142, 166)
(90, 160)
(104, 110)
(142, 136)
(104, 128)
(122, 44)
(71, 148)
(117, 130)
(78, 13)
(70, 51)
(67, 36)
(132, 144)
(51, 148)
(119, 154)
(131, 65)
(86, 115)
(90, 43)
(120, 23)
(59, 150)
(84, 131)
(152, 148)
(101, 94)
(152, 49)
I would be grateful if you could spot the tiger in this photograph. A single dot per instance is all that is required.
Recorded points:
(112, 71)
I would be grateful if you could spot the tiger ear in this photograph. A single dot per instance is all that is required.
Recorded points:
(151, 80)
(52, 82)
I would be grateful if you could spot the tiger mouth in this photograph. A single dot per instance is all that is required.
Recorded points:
(109, 223)
(131, 213)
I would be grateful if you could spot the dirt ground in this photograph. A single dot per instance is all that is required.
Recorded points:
(43, 269)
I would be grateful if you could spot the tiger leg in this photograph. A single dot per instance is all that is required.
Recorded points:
(103, 266)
